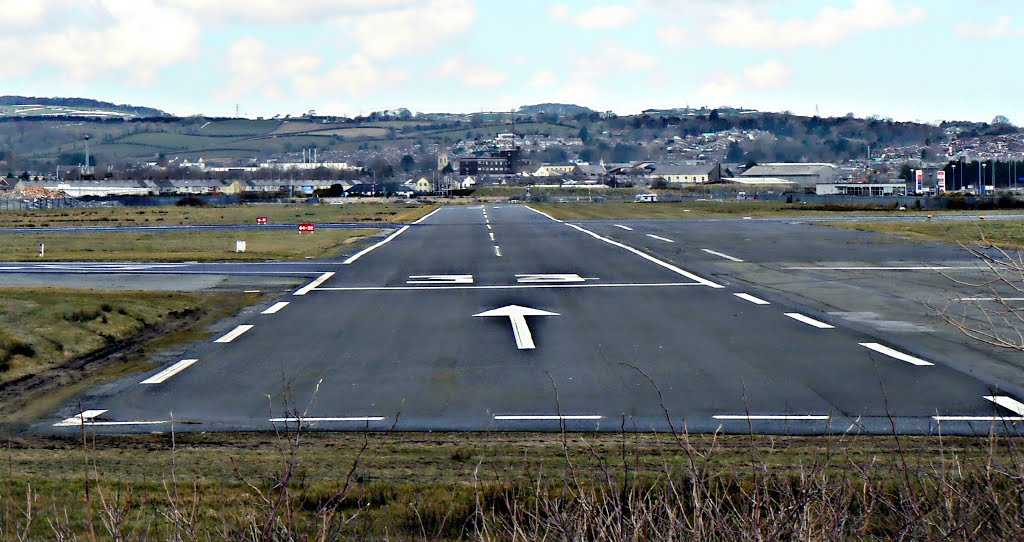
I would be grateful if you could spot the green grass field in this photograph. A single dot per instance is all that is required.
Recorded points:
(239, 127)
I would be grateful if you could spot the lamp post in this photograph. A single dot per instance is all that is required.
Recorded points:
(954, 173)
(981, 178)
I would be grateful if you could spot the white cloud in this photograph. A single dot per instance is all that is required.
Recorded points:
(121, 37)
(599, 62)
(470, 73)
(356, 77)
(600, 17)
(411, 30)
(256, 69)
(543, 79)
(280, 11)
(1002, 27)
(771, 74)
(740, 25)
(672, 35)
(20, 13)
(719, 89)
(558, 12)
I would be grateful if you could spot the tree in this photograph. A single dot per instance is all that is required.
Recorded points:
(408, 163)
(584, 135)
(735, 152)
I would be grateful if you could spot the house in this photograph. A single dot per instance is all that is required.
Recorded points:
(421, 186)
(554, 170)
(595, 172)
(804, 175)
(686, 174)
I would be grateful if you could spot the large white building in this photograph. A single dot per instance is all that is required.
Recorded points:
(805, 175)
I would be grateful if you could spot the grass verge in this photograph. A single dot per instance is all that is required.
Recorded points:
(369, 212)
(351, 486)
(1005, 234)
(178, 246)
(57, 342)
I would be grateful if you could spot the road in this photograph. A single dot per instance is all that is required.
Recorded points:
(648, 326)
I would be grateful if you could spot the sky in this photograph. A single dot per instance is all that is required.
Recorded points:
(924, 60)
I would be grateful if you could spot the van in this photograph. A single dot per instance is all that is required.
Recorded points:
(645, 198)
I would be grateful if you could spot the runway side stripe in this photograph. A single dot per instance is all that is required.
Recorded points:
(546, 418)
(720, 255)
(328, 420)
(881, 349)
(1008, 403)
(273, 309)
(627, 228)
(978, 419)
(234, 334)
(752, 299)
(809, 321)
(167, 373)
(768, 417)
(370, 249)
(426, 216)
(316, 282)
(652, 236)
(649, 258)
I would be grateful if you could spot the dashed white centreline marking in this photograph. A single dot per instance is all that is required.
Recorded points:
(440, 279)
(545, 418)
(276, 307)
(251, 292)
(720, 255)
(316, 282)
(645, 256)
(753, 417)
(1009, 403)
(752, 299)
(497, 251)
(160, 377)
(991, 299)
(489, 226)
(652, 236)
(627, 228)
(881, 349)
(370, 249)
(809, 321)
(234, 334)
(428, 215)
(491, 234)
(327, 420)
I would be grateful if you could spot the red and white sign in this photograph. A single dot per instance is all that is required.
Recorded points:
(262, 220)
(307, 228)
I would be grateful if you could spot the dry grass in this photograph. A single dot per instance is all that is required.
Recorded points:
(369, 212)
(303, 486)
(179, 246)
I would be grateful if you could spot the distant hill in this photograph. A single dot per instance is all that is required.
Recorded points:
(31, 106)
(556, 109)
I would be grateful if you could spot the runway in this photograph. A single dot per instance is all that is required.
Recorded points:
(499, 317)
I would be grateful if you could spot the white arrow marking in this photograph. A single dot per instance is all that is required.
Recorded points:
(557, 277)
(440, 279)
(517, 314)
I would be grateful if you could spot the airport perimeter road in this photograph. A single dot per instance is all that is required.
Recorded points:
(501, 318)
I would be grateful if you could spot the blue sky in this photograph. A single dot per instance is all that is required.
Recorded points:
(922, 60)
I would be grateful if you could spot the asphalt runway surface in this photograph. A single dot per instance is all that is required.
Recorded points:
(499, 317)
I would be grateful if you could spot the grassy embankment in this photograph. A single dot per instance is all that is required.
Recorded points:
(501, 486)
(195, 245)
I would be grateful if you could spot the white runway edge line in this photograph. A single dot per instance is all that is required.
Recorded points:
(652, 236)
(426, 216)
(808, 320)
(720, 255)
(88, 418)
(526, 418)
(234, 334)
(273, 309)
(542, 213)
(507, 287)
(752, 299)
(875, 268)
(769, 417)
(647, 257)
(316, 282)
(627, 228)
(370, 249)
(162, 376)
(881, 349)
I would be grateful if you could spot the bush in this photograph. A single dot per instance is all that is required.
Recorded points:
(191, 201)
(82, 315)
